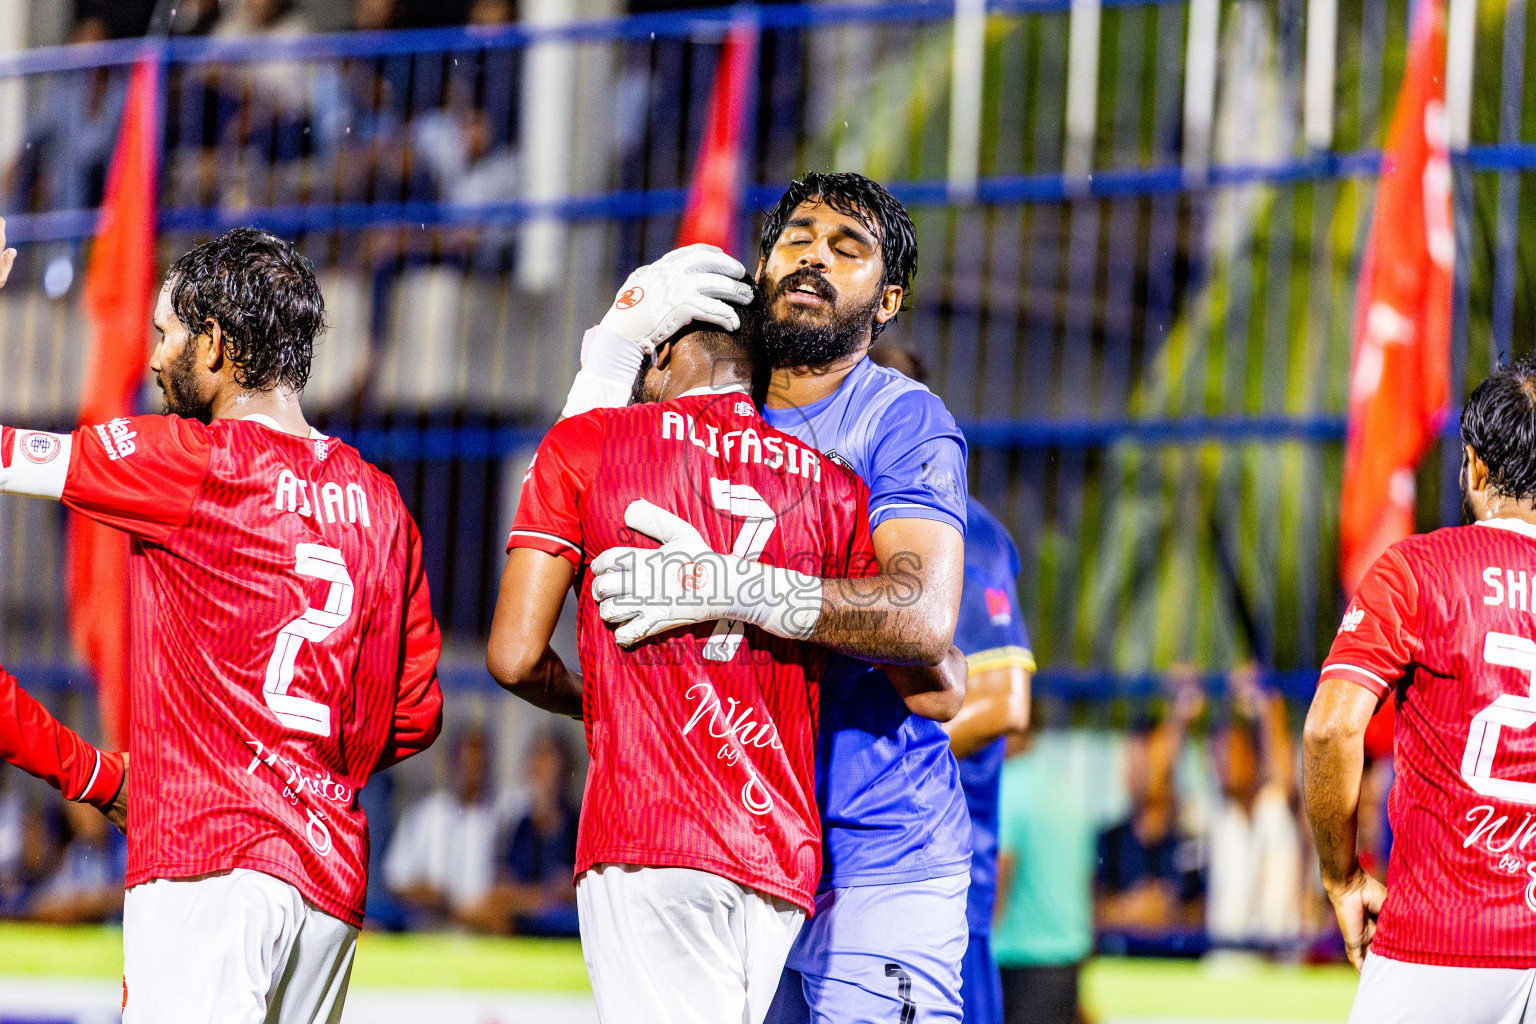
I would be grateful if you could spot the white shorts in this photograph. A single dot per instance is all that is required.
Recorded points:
(237, 948)
(666, 945)
(1395, 992)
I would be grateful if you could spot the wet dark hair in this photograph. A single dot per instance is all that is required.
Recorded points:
(870, 204)
(1499, 423)
(262, 293)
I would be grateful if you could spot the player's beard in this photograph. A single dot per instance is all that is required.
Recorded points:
(637, 395)
(178, 386)
(792, 340)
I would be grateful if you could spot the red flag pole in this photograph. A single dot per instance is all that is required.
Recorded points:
(1399, 387)
(118, 296)
(714, 198)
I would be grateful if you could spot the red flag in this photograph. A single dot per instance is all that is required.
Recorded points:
(119, 293)
(1398, 383)
(715, 195)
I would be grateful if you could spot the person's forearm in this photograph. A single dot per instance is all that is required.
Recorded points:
(547, 684)
(40, 745)
(885, 619)
(936, 692)
(1333, 764)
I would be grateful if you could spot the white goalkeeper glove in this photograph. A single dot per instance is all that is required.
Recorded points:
(696, 282)
(646, 591)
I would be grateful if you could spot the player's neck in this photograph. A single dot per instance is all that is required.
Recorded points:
(280, 406)
(1522, 511)
(793, 387)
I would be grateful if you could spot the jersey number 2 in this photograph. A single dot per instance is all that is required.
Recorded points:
(1517, 712)
(316, 625)
(740, 501)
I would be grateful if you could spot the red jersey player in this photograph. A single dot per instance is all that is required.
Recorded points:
(699, 846)
(34, 741)
(284, 648)
(1444, 625)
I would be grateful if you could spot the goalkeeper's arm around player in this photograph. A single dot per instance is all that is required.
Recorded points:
(38, 744)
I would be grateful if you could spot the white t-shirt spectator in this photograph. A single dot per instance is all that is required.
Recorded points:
(1253, 892)
(446, 845)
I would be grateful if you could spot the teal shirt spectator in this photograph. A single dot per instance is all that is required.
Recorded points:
(1048, 832)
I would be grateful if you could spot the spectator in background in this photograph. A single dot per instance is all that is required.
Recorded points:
(375, 15)
(442, 863)
(69, 141)
(1253, 892)
(120, 19)
(1148, 874)
(87, 885)
(274, 18)
(539, 889)
(1043, 930)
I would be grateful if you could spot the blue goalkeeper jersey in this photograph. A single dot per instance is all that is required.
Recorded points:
(991, 633)
(892, 809)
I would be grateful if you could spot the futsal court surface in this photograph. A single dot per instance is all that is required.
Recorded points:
(72, 976)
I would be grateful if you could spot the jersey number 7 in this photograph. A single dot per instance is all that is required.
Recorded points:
(739, 501)
(316, 626)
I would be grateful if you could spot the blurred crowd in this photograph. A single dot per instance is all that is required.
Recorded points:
(1203, 849)
(1178, 833)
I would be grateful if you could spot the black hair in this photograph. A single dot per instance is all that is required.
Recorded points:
(868, 202)
(1499, 423)
(262, 293)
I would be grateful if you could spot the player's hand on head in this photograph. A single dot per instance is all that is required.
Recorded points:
(697, 282)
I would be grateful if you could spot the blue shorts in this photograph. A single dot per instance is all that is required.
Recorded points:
(982, 985)
(878, 954)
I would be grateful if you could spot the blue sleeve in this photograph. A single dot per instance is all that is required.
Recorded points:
(990, 620)
(917, 463)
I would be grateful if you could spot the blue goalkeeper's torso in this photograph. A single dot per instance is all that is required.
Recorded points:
(891, 803)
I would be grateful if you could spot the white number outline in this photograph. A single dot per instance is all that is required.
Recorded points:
(316, 561)
(1512, 710)
(740, 501)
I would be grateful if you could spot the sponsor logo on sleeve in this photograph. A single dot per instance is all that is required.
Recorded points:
(1352, 620)
(832, 456)
(117, 438)
(941, 482)
(40, 449)
(999, 608)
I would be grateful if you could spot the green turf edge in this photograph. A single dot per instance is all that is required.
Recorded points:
(1113, 988)
(1219, 990)
(383, 961)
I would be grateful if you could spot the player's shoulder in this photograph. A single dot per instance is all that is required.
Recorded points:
(898, 398)
(1453, 544)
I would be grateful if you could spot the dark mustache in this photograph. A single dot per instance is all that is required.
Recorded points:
(804, 276)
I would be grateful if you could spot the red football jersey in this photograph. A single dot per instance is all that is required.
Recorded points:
(1446, 623)
(699, 762)
(284, 647)
(35, 741)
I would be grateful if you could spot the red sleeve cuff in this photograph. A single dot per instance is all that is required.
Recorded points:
(1357, 675)
(549, 543)
(105, 780)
